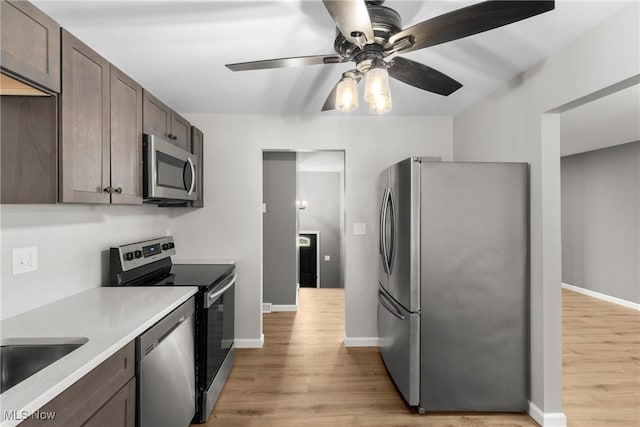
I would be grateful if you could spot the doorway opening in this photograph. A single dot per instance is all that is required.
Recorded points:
(303, 224)
(595, 160)
(309, 259)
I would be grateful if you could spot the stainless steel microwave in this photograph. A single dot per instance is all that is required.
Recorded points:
(169, 172)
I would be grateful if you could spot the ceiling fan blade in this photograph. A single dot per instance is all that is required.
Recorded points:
(286, 62)
(468, 21)
(352, 19)
(330, 103)
(419, 75)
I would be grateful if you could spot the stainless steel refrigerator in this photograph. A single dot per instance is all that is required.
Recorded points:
(453, 288)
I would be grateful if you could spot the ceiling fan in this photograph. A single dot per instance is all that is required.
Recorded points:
(368, 34)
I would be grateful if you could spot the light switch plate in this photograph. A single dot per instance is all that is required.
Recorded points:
(359, 228)
(25, 260)
(327, 257)
(264, 208)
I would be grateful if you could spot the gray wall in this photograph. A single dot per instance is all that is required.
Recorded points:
(279, 228)
(321, 190)
(601, 221)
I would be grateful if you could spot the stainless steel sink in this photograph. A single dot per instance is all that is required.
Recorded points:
(22, 357)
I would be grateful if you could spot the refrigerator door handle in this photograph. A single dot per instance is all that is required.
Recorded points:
(390, 207)
(389, 306)
(383, 234)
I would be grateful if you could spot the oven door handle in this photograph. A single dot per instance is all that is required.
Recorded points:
(211, 296)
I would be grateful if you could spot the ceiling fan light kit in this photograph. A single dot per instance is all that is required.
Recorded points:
(367, 33)
(347, 94)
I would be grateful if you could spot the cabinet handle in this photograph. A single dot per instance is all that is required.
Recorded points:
(118, 190)
(172, 137)
(106, 190)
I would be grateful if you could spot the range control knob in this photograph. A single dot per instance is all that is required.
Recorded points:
(138, 254)
(165, 246)
(171, 245)
(128, 256)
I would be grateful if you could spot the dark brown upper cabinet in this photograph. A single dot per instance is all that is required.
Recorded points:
(158, 119)
(85, 155)
(126, 139)
(180, 131)
(101, 121)
(197, 141)
(30, 44)
(29, 135)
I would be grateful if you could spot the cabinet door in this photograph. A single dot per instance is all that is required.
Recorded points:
(180, 131)
(29, 135)
(84, 144)
(30, 43)
(119, 411)
(126, 139)
(156, 116)
(197, 140)
(81, 401)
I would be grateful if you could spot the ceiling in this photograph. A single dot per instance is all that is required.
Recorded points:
(177, 50)
(605, 122)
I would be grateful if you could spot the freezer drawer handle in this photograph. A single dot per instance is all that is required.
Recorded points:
(383, 300)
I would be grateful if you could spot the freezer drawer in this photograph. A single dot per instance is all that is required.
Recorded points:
(399, 332)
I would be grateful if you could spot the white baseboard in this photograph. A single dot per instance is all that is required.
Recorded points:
(283, 307)
(604, 297)
(361, 341)
(249, 342)
(549, 419)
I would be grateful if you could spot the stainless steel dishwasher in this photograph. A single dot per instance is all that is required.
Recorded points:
(166, 370)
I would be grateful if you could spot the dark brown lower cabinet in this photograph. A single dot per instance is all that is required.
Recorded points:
(119, 411)
(104, 397)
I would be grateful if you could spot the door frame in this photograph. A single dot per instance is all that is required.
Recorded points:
(317, 233)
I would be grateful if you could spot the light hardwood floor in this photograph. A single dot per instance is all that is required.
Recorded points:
(304, 376)
(601, 369)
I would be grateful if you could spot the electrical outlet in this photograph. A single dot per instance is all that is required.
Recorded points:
(25, 260)
(359, 228)
(327, 257)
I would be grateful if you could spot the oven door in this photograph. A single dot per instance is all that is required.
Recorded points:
(220, 334)
(169, 172)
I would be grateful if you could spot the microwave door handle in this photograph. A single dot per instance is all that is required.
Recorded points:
(193, 175)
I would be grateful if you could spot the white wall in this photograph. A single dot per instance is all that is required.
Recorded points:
(73, 243)
(508, 126)
(230, 224)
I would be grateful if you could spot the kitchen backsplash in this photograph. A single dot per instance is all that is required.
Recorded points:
(72, 248)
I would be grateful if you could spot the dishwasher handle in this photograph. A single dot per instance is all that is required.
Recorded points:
(150, 339)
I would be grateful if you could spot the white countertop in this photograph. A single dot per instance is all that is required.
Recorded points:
(109, 317)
